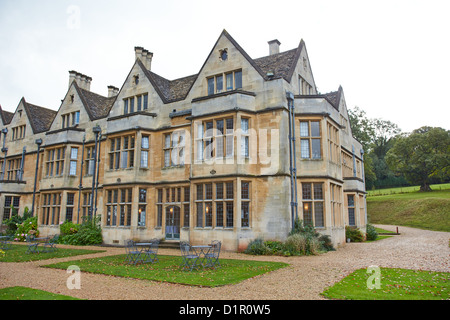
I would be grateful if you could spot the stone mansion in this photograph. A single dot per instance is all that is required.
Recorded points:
(233, 153)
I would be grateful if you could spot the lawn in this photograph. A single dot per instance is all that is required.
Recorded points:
(168, 270)
(425, 210)
(24, 293)
(18, 254)
(395, 284)
(398, 190)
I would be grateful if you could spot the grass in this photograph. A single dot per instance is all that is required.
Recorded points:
(18, 254)
(167, 270)
(24, 293)
(395, 284)
(424, 210)
(399, 190)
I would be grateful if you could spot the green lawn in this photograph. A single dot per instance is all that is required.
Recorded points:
(425, 210)
(18, 254)
(168, 270)
(395, 284)
(398, 190)
(24, 293)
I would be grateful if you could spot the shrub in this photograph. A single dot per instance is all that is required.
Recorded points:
(326, 243)
(353, 234)
(87, 233)
(372, 233)
(68, 228)
(15, 220)
(297, 243)
(275, 247)
(302, 240)
(28, 227)
(257, 247)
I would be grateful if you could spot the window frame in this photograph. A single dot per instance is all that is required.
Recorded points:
(310, 138)
(311, 204)
(213, 83)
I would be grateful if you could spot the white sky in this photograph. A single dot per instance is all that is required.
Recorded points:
(391, 57)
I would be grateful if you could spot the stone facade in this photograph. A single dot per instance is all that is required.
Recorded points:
(198, 158)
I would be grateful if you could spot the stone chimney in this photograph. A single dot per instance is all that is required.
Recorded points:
(145, 56)
(112, 91)
(83, 81)
(274, 47)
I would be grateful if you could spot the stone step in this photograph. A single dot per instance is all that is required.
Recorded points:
(169, 244)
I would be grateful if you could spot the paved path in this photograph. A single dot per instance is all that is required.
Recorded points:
(305, 278)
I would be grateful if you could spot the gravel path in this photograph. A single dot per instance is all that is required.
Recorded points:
(304, 279)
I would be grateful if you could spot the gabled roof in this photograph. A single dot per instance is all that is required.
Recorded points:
(281, 65)
(40, 118)
(333, 98)
(96, 106)
(169, 90)
(6, 116)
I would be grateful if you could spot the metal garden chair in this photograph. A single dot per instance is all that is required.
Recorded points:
(152, 252)
(32, 244)
(212, 257)
(5, 242)
(50, 245)
(133, 253)
(190, 258)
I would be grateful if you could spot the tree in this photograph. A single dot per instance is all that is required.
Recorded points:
(376, 136)
(422, 156)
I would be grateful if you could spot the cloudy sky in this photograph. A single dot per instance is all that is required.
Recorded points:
(391, 57)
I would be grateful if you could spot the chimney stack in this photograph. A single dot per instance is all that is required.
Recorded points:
(112, 91)
(83, 81)
(145, 56)
(274, 47)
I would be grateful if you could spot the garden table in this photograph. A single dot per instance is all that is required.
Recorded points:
(201, 251)
(149, 250)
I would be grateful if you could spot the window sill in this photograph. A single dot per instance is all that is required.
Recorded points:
(173, 167)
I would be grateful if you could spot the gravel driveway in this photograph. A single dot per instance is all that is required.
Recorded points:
(304, 279)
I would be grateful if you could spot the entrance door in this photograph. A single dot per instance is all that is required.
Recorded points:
(173, 223)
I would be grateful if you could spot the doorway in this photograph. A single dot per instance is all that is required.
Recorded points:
(173, 223)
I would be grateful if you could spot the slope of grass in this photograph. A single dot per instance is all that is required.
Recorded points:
(425, 210)
(394, 284)
(18, 254)
(24, 293)
(397, 190)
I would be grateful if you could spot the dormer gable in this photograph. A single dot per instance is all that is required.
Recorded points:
(139, 92)
(80, 105)
(5, 117)
(30, 116)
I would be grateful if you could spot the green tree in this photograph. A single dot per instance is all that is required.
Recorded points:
(422, 156)
(376, 136)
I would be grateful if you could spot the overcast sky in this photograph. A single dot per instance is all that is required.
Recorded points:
(391, 57)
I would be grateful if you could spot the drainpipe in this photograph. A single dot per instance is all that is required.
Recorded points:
(5, 151)
(22, 161)
(364, 180)
(98, 173)
(96, 131)
(38, 142)
(292, 158)
(81, 179)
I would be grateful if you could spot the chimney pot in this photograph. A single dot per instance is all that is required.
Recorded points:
(83, 81)
(145, 56)
(112, 91)
(274, 47)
